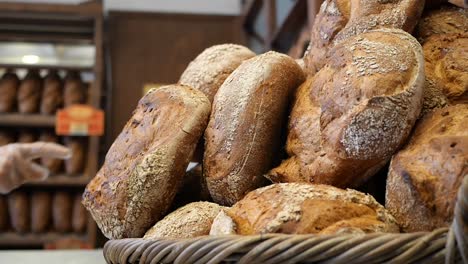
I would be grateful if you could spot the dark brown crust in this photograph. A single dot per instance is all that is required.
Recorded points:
(76, 163)
(29, 93)
(425, 176)
(18, 208)
(62, 203)
(79, 215)
(368, 92)
(74, 91)
(244, 132)
(6, 138)
(8, 88)
(144, 167)
(52, 94)
(41, 211)
(446, 20)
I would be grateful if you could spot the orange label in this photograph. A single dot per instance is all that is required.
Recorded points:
(79, 120)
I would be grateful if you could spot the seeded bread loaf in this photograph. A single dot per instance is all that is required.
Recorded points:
(62, 204)
(295, 208)
(29, 93)
(53, 165)
(191, 220)
(209, 69)
(8, 88)
(446, 20)
(52, 94)
(18, 208)
(243, 135)
(425, 176)
(41, 211)
(368, 92)
(143, 169)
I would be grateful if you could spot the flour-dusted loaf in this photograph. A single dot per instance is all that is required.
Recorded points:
(301, 208)
(446, 20)
(208, 70)
(41, 211)
(143, 169)
(29, 93)
(52, 93)
(339, 20)
(53, 165)
(425, 176)
(447, 64)
(351, 117)
(19, 211)
(74, 91)
(77, 146)
(243, 136)
(8, 89)
(191, 220)
(62, 203)
(79, 215)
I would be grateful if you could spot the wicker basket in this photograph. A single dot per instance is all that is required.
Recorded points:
(441, 245)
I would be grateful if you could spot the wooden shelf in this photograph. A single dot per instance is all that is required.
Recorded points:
(27, 120)
(49, 67)
(12, 239)
(63, 180)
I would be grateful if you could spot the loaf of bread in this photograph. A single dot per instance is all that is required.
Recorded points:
(29, 93)
(192, 220)
(446, 64)
(339, 20)
(446, 20)
(18, 208)
(53, 165)
(368, 92)
(26, 136)
(6, 138)
(8, 89)
(62, 204)
(41, 211)
(76, 163)
(193, 188)
(3, 213)
(244, 132)
(144, 168)
(79, 215)
(52, 94)
(301, 208)
(433, 97)
(425, 176)
(209, 69)
(74, 91)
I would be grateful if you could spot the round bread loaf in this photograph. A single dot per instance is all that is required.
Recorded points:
(339, 20)
(446, 20)
(144, 167)
(53, 165)
(29, 93)
(369, 92)
(425, 176)
(295, 208)
(243, 135)
(41, 211)
(447, 64)
(209, 69)
(52, 94)
(191, 220)
(8, 88)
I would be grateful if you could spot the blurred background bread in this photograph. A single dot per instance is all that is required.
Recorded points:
(9, 84)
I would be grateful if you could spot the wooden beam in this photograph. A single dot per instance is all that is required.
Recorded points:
(92, 7)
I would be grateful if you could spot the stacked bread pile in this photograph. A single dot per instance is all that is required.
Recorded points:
(369, 94)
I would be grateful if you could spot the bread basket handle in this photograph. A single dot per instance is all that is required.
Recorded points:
(458, 235)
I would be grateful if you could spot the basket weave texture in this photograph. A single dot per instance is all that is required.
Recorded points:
(449, 245)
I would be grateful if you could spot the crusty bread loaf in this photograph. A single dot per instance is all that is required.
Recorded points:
(433, 97)
(425, 176)
(29, 93)
(79, 215)
(3, 213)
(191, 220)
(8, 88)
(209, 69)
(73, 90)
(76, 163)
(368, 92)
(301, 208)
(41, 211)
(446, 20)
(62, 203)
(18, 208)
(339, 20)
(243, 135)
(143, 169)
(52, 93)
(53, 165)
(446, 63)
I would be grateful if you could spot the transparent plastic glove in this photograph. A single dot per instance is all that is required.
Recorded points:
(17, 166)
(460, 3)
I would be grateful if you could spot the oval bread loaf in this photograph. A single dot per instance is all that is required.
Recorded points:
(191, 220)
(41, 211)
(79, 215)
(18, 208)
(143, 169)
(244, 131)
(9, 84)
(425, 176)
(74, 91)
(369, 92)
(52, 94)
(295, 208)
(62, 204)
(29, 93)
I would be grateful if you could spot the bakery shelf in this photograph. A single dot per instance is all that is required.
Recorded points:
(63, 180)
(27, 120)
(12, 239)
(48, 67)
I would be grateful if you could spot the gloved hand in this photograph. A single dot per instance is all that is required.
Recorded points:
(17, 166)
